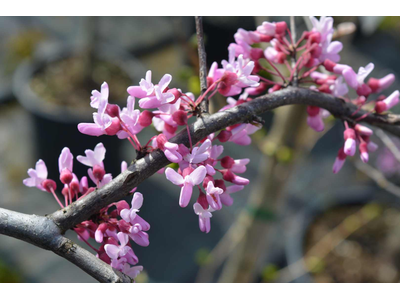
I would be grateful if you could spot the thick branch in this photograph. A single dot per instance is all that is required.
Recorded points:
(147, 166)
(43, 232)
(202, 62)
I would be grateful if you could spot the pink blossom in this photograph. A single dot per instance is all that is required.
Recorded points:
(129, 214)
(213, 196)
(324, 26)
(387, 103)
(356, 81)
(378, 85)
(37, 176)
(152, 96)
(240, 134)
(103, 123)
(204, 217)
(114, 251)
(130, 117)
(339, 161)
(170, 149)
(187, 183)
(98, 97)
(339, 88)
(350, 142)
(93, 158)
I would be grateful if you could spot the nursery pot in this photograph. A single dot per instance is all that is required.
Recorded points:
(296, 233)
(55, 125)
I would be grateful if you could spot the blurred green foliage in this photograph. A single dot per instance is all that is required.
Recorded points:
(7, 275)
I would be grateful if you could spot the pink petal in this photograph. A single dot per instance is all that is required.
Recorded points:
(137, 200)
(186, 194)
(197, 176)
(173, 176)
(90, 129)
(112, 251)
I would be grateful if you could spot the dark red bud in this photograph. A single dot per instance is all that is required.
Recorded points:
(224, 136)
(380, 107)
(329, 65)
(49, 185)
(227, 162)
(373, 83)
(180, 117)
(280, 28)
(312, 111)
(145, 118)
(220, 184)
(66, 176)
(98, 172)
(114, 127)
(112, 110)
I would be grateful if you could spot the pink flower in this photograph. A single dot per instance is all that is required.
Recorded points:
(339, 88)
(204, 217)
(270, 29)
(98, 97)
(198, 154)
(213, 196)
(103, 123)
(114, 251)
(324, 26)
(240, 134)
(93, 158)
(152, 96)
(170, 149)
(37, 176)
(356, 81)
(237, 75)
(187, 182)
(350, 142)
(130, 117)
(129, 214)
(65, 163)
(378, 85)
(339, 161)
(387, 103)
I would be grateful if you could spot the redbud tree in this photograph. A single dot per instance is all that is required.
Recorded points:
(285, 72)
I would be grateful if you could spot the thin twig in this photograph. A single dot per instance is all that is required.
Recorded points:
(202, 62)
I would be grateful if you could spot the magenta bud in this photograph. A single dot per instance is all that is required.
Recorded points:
(380, 107)
(228, 175)
(206, 180)
(66, 176)
(224, 136)
(180, 117)
(329, 65)
(220, 184)
(98, 172)
(145, 118)
(114, 127)
(49, 185)
(280, 28)
(124, 226)
(176, 93)
(227, 162)
(122, 205)
(202, 200)
(112, 110)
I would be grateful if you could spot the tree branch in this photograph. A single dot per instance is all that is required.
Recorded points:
(46, 232)
(202, 62)
(43, 232)
(143, 168)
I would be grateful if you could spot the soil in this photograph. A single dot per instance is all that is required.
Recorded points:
(68, 83)
(369, 254)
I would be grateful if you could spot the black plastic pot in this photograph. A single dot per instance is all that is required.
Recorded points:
(296, 233)
(55, 126)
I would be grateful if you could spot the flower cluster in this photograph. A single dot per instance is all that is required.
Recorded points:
(114, 225)
(317, 63)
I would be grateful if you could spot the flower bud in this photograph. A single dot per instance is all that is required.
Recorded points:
(224, 136)
(350, 142)
(98, 172)
(280, 28)
(364, 152)
(220, 184)
(66, 176)
(113, 110)
(339, 161)
(180, 117)
(227, 162)
(145, 118)
(114, 127)
(49, 185)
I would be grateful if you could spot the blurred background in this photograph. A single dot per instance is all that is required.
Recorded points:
(295, 222)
